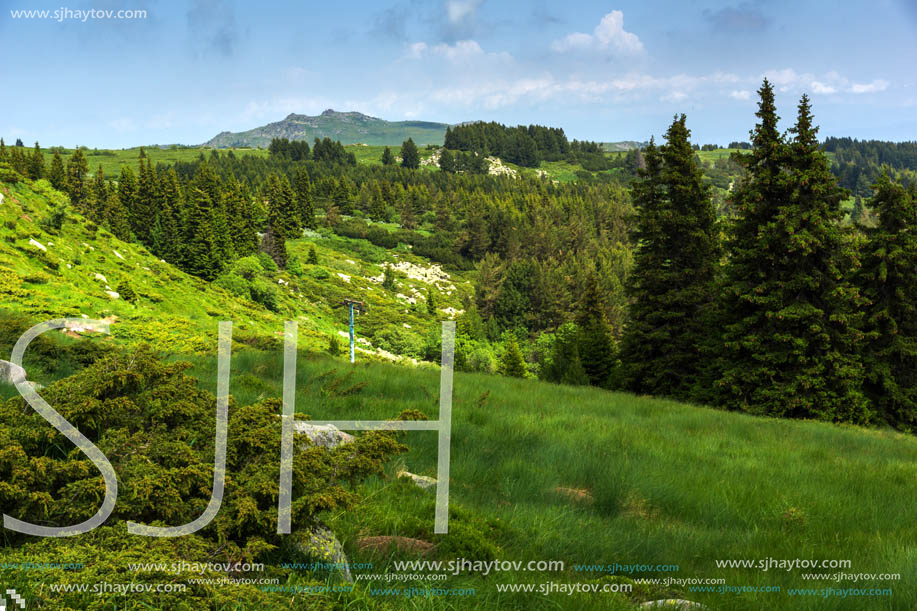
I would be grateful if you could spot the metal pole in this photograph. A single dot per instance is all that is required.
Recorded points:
(352, 354)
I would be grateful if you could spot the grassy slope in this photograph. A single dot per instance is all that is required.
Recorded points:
(178, 312)
(670, 483)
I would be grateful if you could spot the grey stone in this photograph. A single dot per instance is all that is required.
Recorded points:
(10, 374)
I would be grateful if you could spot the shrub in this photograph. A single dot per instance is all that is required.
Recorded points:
(235, 284)
(319, 273)
(267, 263)
(249, 267)
(266, 294)
(126, 292)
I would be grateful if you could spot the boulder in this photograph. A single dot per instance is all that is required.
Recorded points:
(38, 244)
(321, 544)
(113, 294)
(421, 481)
(101, 278)
(10, 374)
(323, 435)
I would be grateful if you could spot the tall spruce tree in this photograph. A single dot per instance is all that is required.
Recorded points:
(77, 168)
(888, 279)
(116, 217)
(596, 347)
(410, 157)
(201, 253)
(790, 340)
(672, 285)
(37, 164)
(302, 190)
(127, 196)
(58, 175)
(387, 157)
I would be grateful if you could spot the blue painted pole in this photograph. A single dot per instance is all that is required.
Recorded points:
(352, 354)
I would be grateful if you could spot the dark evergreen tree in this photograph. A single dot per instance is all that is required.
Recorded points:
(274, 244)
(446, 162)
(565, 366)
(127, 195)
(37, 164)
(387, 157)
(242, 219)
(790, 322)
(888, 279)
(116, 217)
(313, 256)
(201, 255)
(58, 175)
(302, 190)
(77, 169)
(410, 157)
(97, 202)
(672, 285)
(596, 347)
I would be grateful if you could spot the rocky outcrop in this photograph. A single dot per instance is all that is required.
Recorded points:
(10, 374)
(322, 435)
(421, 481)
(321, 544)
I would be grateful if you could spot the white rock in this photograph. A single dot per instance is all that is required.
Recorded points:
(69, 266)
(37, 244)
(422, 481)
(101, 278)
(282, 281)
(676, 604)
(118, 254)
(50, 243)
(344, 277)
(406, 325)
(323, 435)
(10, 374)
(113, 294)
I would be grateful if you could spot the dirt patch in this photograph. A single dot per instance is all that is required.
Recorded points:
(384, 545)
(580, 495)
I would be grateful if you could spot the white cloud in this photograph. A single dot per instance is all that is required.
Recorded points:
(819, 87)
(457, 11)
(674, 96)
(740, 94)
(462, 52)
(609, 35)
(873, 87)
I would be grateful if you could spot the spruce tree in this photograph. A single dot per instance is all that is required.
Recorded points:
(672, 283)
(98, 197)
(387, 157)
(116, 217)
(596, 347)
(302, 189)
(4, 153)
(410, 157)
(511, 363)
(313, 256)
(888, 279)
(201, 252)
(37, 164)
(77, 168)
(57, 175)
(790, 340)
(242, 219)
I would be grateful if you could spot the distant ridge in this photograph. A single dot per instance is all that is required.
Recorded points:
(348, 127)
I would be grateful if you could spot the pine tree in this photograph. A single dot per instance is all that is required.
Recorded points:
(242, 219)
(58, 176)
(313, 256)
(672, 283)
(283, 214)
(596, 348)
(387, 157)
(410, 157)
(888, 279)
(790, 338)
(201, 252)
(431, 301)
(98, 197)
(565, 366)
(302, 189)
(127, 195)
(4, 153)
(446, 162)
(511, 363)
(116, 217)
(37, 164)
(77, 168)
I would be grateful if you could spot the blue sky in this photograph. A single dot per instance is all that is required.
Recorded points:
(601, 70)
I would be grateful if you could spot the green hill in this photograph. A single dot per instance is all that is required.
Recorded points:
(348, 127)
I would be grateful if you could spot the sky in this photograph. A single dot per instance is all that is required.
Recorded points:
(605, 71)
